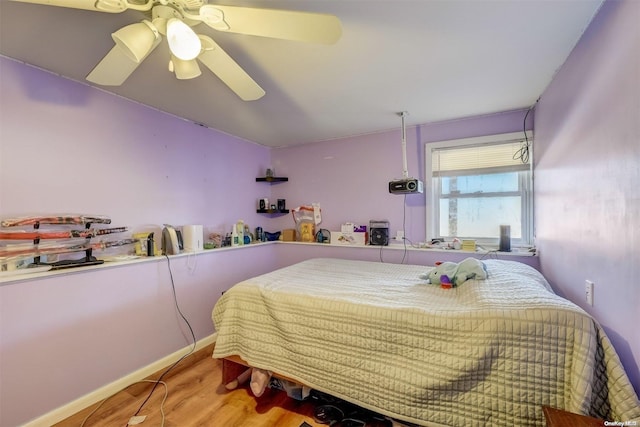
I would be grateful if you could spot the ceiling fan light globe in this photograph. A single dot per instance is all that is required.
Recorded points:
(136, 40)
(184, 43)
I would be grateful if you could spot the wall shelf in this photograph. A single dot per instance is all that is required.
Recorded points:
(272, 179)
(273, 211)
(7, 278)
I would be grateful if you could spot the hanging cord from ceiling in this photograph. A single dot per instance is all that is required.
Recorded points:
(404, 234)
(523, 152)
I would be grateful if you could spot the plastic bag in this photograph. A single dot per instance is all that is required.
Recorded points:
(293, 390)
(306, 219)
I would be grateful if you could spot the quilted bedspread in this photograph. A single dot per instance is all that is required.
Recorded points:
(489, 352)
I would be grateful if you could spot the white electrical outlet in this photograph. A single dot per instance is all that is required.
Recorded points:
(400, 235)
(588, 291)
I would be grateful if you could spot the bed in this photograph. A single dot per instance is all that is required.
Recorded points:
(489, 352)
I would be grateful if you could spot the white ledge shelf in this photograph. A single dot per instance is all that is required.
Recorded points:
(7, 278)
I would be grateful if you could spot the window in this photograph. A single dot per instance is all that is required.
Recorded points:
(475, 185)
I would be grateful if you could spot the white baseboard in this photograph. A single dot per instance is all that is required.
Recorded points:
(95, 396)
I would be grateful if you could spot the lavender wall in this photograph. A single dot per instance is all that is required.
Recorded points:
(587, 166)
(66, 147)
(349, 177)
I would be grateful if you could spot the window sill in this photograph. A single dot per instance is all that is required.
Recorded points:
(399, 246)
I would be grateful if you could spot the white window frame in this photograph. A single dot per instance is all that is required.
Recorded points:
(433, 200)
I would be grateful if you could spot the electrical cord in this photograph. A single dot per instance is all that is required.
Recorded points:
(413, 245)
(404, 239)
(404, 226)
(164, 399)
(159, 380)
(193, 336)
(493, 254)
(523, 153)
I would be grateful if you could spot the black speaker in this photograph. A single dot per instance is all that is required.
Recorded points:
(505, 238)
(379, 233)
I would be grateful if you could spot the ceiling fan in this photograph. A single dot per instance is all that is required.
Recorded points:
(174, 20)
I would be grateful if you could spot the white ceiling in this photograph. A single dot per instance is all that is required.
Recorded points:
(438, 60)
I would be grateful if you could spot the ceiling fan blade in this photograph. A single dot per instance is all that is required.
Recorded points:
(115, 67)
(279, 24)
(74, 4)
(228, 70)
(112, 6)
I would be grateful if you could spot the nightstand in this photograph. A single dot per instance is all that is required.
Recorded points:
(559, 418)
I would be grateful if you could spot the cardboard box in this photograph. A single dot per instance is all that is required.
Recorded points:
(289, 235)
(348, 239)
(349, 227)
(468, 245)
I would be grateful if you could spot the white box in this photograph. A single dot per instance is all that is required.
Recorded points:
(347, 227)
(348, 239)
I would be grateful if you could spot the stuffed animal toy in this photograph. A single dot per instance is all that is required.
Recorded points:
(451, 274)
(259, 380)
(445, 282)
(441, 270)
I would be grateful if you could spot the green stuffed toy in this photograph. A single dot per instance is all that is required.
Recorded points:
(451, 274)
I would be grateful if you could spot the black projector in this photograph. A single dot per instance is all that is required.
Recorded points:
(405, 186)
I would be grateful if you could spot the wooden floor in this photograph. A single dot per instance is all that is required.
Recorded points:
(197, 398)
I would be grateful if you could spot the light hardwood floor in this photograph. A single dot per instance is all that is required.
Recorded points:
(198, 398)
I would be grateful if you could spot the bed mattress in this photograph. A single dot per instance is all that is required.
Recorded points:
(489, 352)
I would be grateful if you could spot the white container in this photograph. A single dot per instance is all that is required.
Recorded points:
(193, 238)
(240, 232)
(348, 239)
(234, 236)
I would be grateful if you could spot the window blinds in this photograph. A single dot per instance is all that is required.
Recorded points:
(478, 159)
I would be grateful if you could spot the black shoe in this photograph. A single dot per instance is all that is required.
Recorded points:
(350, 422)
(327, 414)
